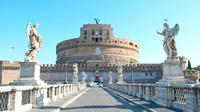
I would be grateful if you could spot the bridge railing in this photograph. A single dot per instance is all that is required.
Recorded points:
(22, 98)
(181, 96)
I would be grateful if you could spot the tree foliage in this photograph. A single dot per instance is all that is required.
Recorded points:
(189, 65)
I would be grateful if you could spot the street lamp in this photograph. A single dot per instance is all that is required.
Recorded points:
(66, 82)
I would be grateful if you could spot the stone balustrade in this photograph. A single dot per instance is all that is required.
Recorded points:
(22, 98)
(181, 96)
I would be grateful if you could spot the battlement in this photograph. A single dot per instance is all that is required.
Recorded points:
(8, 62)
(96, 25)
(104, 68)
(7, 65)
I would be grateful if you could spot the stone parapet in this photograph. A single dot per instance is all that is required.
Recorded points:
(181, 96)
(23, 98)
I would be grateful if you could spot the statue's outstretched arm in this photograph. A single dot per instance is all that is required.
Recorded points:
(159, 33)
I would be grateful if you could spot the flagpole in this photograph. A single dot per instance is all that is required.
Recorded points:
(13, 49)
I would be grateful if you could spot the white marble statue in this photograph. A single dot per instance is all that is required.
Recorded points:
(75, 68)
(83, 77)
(110, 77)
(34, 42)
(119, 69)
(169, 43)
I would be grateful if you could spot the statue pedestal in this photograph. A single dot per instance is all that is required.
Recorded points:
(110, 81)
(173, 71)
(120, 80)
(29, 75)
(75, 80)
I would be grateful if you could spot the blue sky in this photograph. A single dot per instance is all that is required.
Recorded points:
(136, 20)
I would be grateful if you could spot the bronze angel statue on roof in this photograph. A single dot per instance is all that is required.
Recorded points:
(34, 40)
(169, 43)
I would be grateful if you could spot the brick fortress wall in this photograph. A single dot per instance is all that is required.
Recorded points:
(148, 73)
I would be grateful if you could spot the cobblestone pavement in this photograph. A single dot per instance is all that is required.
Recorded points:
(101, 100)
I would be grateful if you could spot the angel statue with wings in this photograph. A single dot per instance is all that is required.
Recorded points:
(169, 43)
(34, 40)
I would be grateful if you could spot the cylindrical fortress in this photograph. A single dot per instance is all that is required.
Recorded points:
(96, 46)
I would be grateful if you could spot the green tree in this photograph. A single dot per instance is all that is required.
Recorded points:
(189, 65)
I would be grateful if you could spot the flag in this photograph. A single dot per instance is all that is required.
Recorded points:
(13, 48)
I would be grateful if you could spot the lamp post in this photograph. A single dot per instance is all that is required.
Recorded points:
(66, 82)
(132, 63)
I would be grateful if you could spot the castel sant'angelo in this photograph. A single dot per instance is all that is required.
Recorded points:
(97, 46)
(97, 53)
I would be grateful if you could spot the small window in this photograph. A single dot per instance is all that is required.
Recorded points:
(100, 32)
(85, 32)
(131, 43)
(85, 37)
(100, 39)
(151, 73)
(146, 74)
(93, 33)
(92, 39)
(135, 45)
(115, 41)
(97, 65)
(107, 37)
(108, 32)
(96, 39)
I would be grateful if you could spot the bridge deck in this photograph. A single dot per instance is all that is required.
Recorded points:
(98, 100)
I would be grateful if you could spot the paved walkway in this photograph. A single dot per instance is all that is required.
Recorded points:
(101, 100)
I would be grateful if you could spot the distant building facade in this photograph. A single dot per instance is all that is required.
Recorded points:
(9, 71)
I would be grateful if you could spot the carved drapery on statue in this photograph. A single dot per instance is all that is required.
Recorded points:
(169, 43)
(34, 44)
